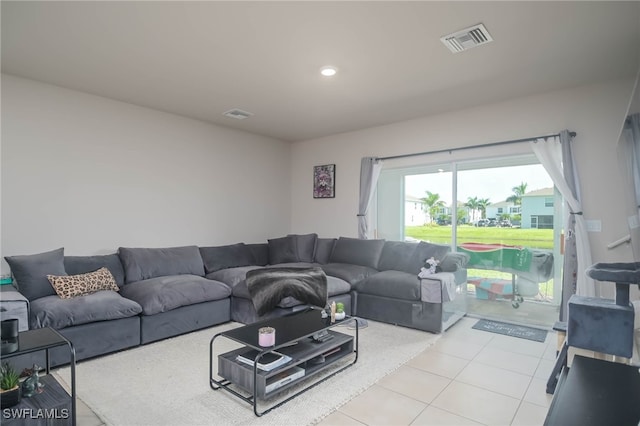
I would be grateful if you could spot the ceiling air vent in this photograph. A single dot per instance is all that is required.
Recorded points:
(238, 114)
(467, 38)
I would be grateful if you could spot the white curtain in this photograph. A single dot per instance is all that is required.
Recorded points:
(555, 154)
(629, 158)
(370, 168)
(632, 135)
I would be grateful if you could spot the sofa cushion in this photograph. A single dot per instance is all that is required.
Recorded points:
(423, 252)
(75, 265)
(232, 276)
(144, 263)
(260, 253)
(161, 294)
(357, 252)
(30, 272)
(305, 246)
(396, 255)
(283, 250)
(393, 284)
(223, 257)
(68, 286)
(337, 286)
(52, 311)
(324, 248)
(454, 261)
(349, 273)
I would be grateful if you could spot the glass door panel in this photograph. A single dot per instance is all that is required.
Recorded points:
(506, 216)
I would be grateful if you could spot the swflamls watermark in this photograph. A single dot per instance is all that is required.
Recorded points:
(33, 413)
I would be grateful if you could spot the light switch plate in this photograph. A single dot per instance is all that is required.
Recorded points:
(593, 225)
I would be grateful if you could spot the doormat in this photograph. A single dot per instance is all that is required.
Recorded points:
(529, 333)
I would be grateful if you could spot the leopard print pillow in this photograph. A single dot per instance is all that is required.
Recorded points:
(68, 286)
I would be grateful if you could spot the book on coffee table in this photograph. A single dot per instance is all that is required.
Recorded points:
(268, 361)
(283, 378)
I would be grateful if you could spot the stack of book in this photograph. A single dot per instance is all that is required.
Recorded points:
(267, 362)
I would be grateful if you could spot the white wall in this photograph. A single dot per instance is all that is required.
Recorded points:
(92, 174)
(595, 112)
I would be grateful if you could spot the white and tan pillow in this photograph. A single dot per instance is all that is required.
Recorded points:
(68, 286)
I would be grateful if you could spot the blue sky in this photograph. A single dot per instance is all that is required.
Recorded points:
(495, 184)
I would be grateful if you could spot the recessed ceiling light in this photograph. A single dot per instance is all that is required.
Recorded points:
(328, 71)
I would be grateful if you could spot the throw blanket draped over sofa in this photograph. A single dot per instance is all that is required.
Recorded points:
(268, 287)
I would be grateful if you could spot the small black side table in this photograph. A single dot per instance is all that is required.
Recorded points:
(43, 339)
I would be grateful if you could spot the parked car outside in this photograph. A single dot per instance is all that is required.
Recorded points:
(492, 223)
(482, 223)
(505, 224)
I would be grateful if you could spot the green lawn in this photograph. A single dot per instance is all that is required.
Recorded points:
(533, 238)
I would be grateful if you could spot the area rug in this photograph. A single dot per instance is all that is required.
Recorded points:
(166, 383)
(529, 333)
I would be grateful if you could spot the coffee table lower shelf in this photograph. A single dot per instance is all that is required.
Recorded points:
(308, 359)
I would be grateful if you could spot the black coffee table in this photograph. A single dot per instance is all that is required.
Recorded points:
(295, 338)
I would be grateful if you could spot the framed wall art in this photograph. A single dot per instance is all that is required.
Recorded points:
(324, 181)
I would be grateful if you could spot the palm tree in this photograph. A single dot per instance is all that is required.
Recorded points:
(518, 192)
(432, 203)
(482, 206)
(472, 205)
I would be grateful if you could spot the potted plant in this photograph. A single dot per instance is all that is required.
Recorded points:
(340, 314)
(9, 386)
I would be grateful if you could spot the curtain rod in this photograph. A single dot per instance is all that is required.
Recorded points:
(450, 150)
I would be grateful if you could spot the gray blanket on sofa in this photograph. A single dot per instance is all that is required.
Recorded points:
(269, 286)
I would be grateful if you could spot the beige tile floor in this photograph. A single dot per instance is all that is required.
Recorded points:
(469, 377)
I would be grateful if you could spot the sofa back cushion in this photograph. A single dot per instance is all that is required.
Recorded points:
(396, 255)
(75, 265)
(357, 252)
(30, 272)
(324, 248)
(144, 263)
(223, 257)
(425, 251)
(260, 253)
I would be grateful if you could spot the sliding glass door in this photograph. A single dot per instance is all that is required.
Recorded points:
(503, 212)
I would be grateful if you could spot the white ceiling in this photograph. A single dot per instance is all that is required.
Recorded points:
(200, 59)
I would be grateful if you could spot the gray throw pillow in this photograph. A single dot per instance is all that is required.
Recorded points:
(324, 248)
(454, 261)
(283, 250)
(260, 253)
(30, 272)
(357, 252)
(425, 251)
(305, 246)
(224, 257)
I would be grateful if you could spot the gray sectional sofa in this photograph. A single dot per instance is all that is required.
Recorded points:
(164, 292)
